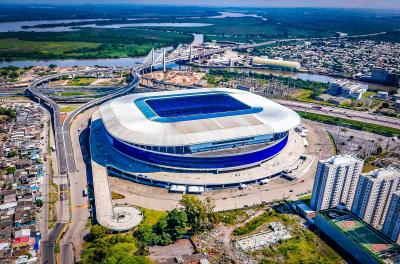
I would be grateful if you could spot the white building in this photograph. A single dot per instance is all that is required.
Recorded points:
(347, 89)
(336, 181)
(391, 227)
(278, 64)
(374, 189)
(382, 95)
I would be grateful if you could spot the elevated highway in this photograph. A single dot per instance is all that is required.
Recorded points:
(64, 151)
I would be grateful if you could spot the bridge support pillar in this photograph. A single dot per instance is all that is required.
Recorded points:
(190, 53)
(163, 60)
(152, 60)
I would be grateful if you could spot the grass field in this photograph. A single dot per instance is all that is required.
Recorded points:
(11, 46)
(68, 108)
(81, 81)
(303, 247)
(358, 125)
(74, 93)
(116, 196)
(86, 43)
(151, 216)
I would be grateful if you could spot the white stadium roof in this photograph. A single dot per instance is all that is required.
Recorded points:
(124, 120)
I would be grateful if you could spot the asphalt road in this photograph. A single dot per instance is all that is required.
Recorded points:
(48, 245)
(343, 113)
(66, 162)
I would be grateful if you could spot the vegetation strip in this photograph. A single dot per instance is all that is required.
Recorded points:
(358, 125)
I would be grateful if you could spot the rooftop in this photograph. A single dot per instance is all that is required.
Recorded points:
(342, 160)
(194, 116)
(361, 233)
(384, 173)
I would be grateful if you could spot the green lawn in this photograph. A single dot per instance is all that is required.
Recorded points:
(74, 93)
(68, 108)
(151, 216)
(368, 94)
(304, 96)
(116, 196)
(80, 82)
(306, 198)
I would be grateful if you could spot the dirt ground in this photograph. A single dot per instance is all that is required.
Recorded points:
(178, 77)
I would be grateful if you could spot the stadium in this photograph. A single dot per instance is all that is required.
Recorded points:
(201, 130)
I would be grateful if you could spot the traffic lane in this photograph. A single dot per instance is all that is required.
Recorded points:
(343, 113)
(48, 256)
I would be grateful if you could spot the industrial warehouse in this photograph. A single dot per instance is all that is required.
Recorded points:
(187, 140)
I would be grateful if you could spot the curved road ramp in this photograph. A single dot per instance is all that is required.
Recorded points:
(116, 218)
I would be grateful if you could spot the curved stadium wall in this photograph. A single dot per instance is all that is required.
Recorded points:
(189, 162)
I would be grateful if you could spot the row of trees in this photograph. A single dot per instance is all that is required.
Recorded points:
(193, 217)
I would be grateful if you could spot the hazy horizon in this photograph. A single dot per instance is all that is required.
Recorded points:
(362, 4)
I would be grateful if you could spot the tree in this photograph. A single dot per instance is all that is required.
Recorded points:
(98, 231)
(198, 213)
(10, 170)
(146, 235)
(164, 239)
(12, 153)
(176, 224)
(39, 203)
(14, 75)
(162, 232)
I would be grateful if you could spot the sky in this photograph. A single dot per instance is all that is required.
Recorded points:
(239, 3)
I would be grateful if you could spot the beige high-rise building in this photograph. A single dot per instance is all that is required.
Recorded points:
(336, 181)
(391, 227)
(373, 193)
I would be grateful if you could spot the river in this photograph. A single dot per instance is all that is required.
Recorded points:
(18, 26)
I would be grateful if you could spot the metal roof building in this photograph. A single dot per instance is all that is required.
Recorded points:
(276, 64)
(201, 129)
